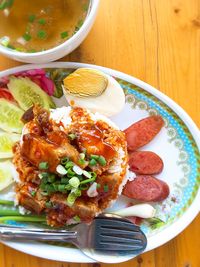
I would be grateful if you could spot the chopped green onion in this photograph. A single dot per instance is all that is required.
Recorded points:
(82, 155)
(72, 136)
(102, 161)
(64, 35)
(49, 188)
(96, 157)
(87, 174)
(20, 49)
(44, 181)
(49, 204)
(88, 180)
(57, 181)
(105, 188)
(61, 187)
(78, 26)
(64, 180)
(74, 182)
(76, 191)
(27, 37)
(6, 4)
(92, 162)
(61, 170)
(42, 21)
(51, 178)
(77, 218)
(68, 187)
(69, 164)
(55, 186)
(71, 199)
(43, 165)
(98, 186)
(94, 175)
(41, 34)
(11, 46)
(64, 160)
(81, 161)
(42, 186)
(31, 51)
(44, 193)
(85, 7)
(31, 18)
(70, 173)
(43, 175)
(33, 193)
(5, 41)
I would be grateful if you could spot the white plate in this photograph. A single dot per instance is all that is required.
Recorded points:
(178, 144)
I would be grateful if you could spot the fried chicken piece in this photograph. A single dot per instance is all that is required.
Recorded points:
(50, 149)
(85, 208)
(41, 117)
(37, 120)
(109, 189)
(30, 197)
(26, 171)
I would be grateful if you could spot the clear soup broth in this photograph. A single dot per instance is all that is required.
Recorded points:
(33, 26)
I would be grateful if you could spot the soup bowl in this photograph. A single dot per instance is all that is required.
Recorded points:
(58, 51)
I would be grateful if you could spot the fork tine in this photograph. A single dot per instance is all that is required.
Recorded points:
(107, 246)
(117, 239)
(120, 246)
(118, 231)
(117, 224)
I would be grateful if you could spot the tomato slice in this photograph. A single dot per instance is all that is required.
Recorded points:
(4, 93)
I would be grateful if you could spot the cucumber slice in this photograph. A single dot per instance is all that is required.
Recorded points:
(6, 177)
(10, 117)
(6, 143)
(28, 93)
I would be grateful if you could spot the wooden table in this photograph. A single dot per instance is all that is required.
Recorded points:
(157, 41)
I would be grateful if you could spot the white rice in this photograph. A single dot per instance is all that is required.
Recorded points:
(131, 175)
(15, 174)
(22, 210)
(61, 115)
(99, 117)
(118, 161)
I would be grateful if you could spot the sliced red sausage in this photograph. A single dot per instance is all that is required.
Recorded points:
(145, 162)
(146, 188)
(143, 131)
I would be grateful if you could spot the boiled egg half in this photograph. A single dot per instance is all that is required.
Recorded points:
(92, 89)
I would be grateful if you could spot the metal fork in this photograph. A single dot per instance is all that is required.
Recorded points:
(103, 240)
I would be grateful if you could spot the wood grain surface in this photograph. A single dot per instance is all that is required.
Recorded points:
(157, 41)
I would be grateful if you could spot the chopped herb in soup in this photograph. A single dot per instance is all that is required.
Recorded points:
(33, 26)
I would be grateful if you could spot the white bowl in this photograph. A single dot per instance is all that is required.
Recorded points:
(60, 50)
